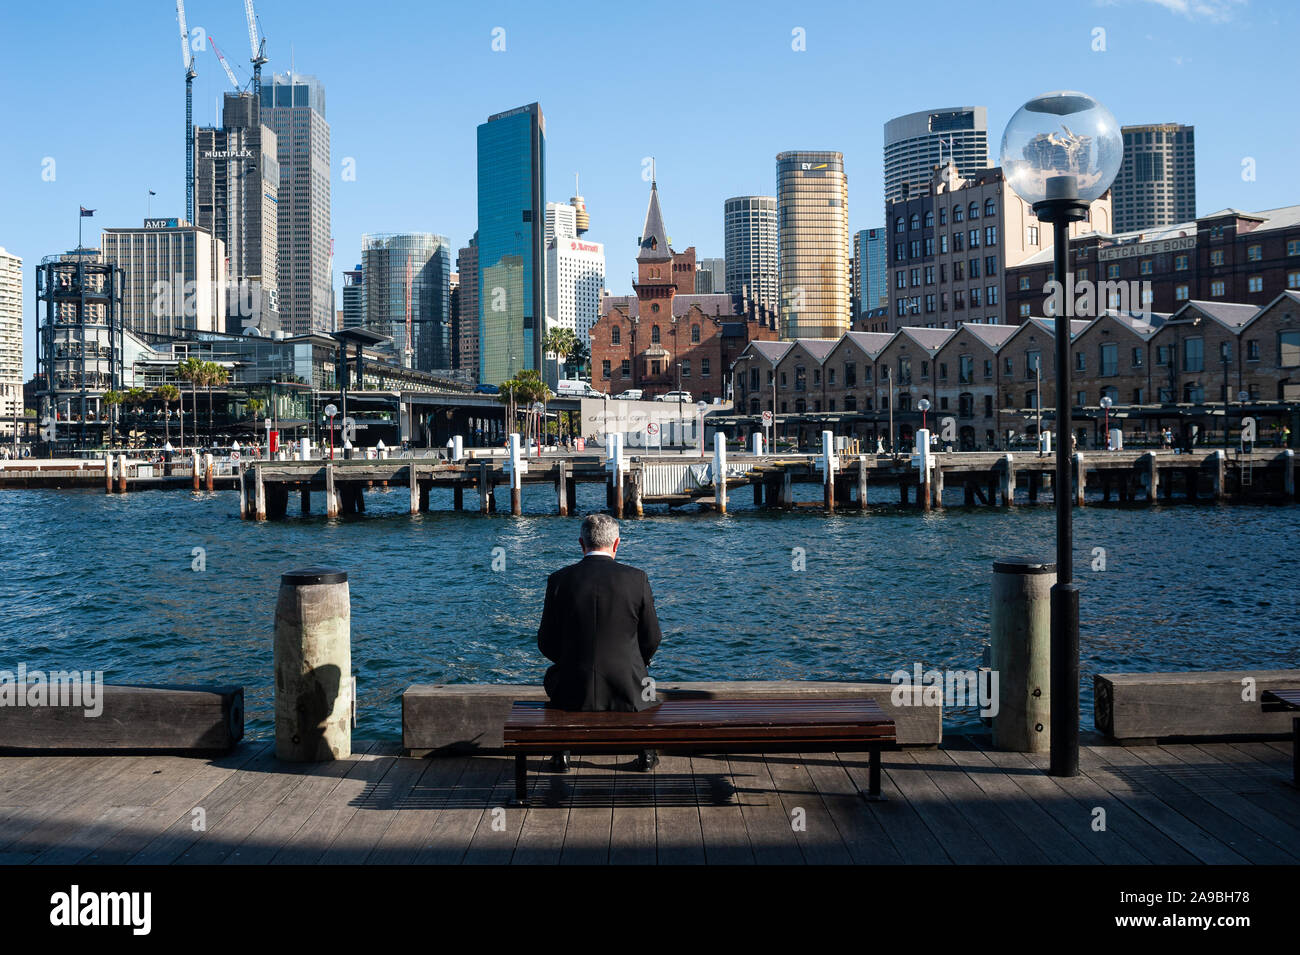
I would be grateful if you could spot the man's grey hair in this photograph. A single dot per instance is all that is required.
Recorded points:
(599, 531)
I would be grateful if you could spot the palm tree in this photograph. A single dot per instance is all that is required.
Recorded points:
(213, 374)
(190, 370)
(561, 341)
(167, 394)
(113, 399)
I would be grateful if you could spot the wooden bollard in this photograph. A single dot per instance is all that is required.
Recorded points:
(195, 464)
(787, 488)
(1080, 478)
(484, 490)
(259, 495)
(562, 491)
(1288, 473)
(108, 474)
(331, 492)
(1021, 629)
(208, 470)
(414, 483)
(1217, 471)
(936, 484)
(635, 477)
(828, 470)
(1008, 481)
(313, 666)
(862, 482)
(720, 471)
(243, 495)
(121, 474)
(516, 477)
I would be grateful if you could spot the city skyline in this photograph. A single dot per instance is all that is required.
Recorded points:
(425, 181)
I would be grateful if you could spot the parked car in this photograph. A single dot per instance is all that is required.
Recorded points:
(486, 390)
(682, 396)
(632, 394)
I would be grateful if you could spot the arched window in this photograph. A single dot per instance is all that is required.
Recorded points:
(655, 309)
(695, 334)
(943, 215)
(899, 225)
(915, 222)
(974, 211)
(616, 336)
(654, 335)
(990, 207)
(956, 214)
(929, 218)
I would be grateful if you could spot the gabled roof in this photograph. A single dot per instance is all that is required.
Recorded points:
(931, 339)
(819, 348)
(991, 335)
(654, 237)
(1230, 315)
(773, 352)
(1048, 325)
(873, 343)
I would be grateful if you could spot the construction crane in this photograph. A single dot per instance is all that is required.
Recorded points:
(224, 65)
(257, 45)
(187, 58)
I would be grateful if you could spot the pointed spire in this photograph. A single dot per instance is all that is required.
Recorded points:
(654, 237)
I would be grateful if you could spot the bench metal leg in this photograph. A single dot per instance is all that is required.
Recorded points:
(521, 780)
(873, 775)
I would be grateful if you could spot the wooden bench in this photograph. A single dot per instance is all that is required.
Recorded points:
(1275, 701)
(702, 726)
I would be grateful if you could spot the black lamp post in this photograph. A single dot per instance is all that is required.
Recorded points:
(1061, 151)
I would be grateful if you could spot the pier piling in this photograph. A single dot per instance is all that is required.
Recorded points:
(108, 474)
(121, 474)
(259, 495)
(194, 461)
(862, 482)
(1080, 478)
(720, 471)
(331, 492)
(314, 691)
(1020, 629)
(413, 483)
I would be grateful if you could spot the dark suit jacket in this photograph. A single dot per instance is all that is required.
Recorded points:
(600, 629)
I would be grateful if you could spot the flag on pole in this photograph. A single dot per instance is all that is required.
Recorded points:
(87, 212)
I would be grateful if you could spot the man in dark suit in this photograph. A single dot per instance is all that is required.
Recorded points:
(600, 630)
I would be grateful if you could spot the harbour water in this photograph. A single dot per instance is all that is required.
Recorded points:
(172, 587)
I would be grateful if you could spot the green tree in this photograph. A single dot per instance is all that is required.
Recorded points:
(191, 370)
(167, 394)
(213, 375)
(113, 399)
(562, 342)
(580, 359)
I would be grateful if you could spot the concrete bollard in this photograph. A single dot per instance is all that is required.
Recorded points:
(828, 470)
(194, 463)
(108, 474)
(208, 470)
(121, 474)
(862, 482)
(756, 443)
(457, 448)
(313, 666)
(1021, 627)
(720, 472)
(516, 477)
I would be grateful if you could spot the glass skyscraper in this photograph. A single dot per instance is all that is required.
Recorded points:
(407, 280)
(871, 269)
(813, 252)
(511, 242)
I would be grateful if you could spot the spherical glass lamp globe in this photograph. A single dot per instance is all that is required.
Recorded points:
(1061, 145)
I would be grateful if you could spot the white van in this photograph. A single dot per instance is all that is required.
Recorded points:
(572, 388)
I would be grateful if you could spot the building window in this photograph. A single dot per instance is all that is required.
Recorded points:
(990, 265)
(1180, 263)
(1024, 283)
(916, 277)
(1031, 363)
(974, 211)
(654, 334)
(900, 279)
(965, 369)
(958, 299)
(1193, 354)
(990, 208)
(1255, 283)
(686, 368)
(915, 222)
(900, 225)
(929, 303)
(850, 374)
(943, 243)
(943, 215)
(956, 214)
(991, 295)
(1024, 310)
(1288, 345)
(974, 236)
(616, 336)
(916, 248)
(1254, 253)
(1293, 280)
(1216, 257)
(1144, 267)
(974, 268)
(1216, 288)
(974, 298)
(1080, 361)
(1180, 293)
(943, 370)
(695, 334)
(990, 235)
(1109, 359)
(626, 369)
(1112, 271)
(604, 368)
(1293, 247)
(1031, 235)
(959, 271)
(929, 274)
(1137, 356)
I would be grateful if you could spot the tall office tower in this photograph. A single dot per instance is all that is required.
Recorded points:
(917, 142)
(750, 237)
(408, 295)
(293, 105)
(453, 287)
(174, 277)
(511, 241)
(581, 219)
(813, 251)
(11, 338)
(575, 281)
(711, 275)
(236, 200)
(468, 310)
(870, 269)
(1156, 185)
(354, 297)
(561, 221)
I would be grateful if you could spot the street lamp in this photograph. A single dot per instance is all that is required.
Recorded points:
(1105, 407)
(1060, 151)
(923, 405)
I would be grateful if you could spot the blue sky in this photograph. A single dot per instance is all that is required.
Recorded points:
(713, 91)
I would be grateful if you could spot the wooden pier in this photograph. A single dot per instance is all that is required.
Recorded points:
(1208, 803)
(1001, 479)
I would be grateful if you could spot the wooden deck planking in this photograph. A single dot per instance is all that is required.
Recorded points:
(1209, 802)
